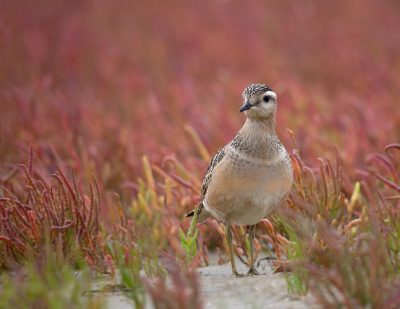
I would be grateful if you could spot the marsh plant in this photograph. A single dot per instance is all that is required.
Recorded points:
(51, 213)
(344, 251)
(45, 283)
(95, 96)
(188, 242)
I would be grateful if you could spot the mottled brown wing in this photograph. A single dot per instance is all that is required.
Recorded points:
(214, 162)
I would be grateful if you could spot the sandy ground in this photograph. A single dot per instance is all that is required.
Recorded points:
(221, 290)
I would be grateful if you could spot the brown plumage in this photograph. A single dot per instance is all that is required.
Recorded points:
(249, 178)
(203, 215)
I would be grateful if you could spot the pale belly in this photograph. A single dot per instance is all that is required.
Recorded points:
(244, 192)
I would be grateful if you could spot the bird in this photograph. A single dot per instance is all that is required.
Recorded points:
(249, 178)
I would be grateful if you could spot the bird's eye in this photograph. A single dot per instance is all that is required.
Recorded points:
(267, 98)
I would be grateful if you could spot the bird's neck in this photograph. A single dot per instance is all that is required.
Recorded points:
(255, 128)
(257, 138)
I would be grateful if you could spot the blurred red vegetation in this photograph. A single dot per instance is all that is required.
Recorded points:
(99, 84)
(96, 85)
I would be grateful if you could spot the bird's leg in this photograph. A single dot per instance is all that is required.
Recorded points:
(228, 235)
(252, 231)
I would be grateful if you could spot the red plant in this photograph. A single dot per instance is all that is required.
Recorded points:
(57, 216)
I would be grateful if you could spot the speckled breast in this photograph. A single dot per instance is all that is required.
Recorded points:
(246, 190)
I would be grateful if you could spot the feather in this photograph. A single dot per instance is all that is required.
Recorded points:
(201, 212)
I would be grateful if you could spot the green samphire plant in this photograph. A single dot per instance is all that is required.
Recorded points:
(188, 243)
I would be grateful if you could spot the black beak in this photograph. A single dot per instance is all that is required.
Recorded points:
(245, 107)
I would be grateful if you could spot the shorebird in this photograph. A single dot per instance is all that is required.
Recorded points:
(248, 179)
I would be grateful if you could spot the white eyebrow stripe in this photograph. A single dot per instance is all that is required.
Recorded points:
(271, 94)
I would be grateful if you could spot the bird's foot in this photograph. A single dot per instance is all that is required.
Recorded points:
(252, 272)
(237, 275)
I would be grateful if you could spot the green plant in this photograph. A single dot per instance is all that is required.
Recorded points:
(45, 283)
(134, 248)
(188, 243)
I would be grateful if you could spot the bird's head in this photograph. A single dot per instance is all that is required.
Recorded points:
(259, 102)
